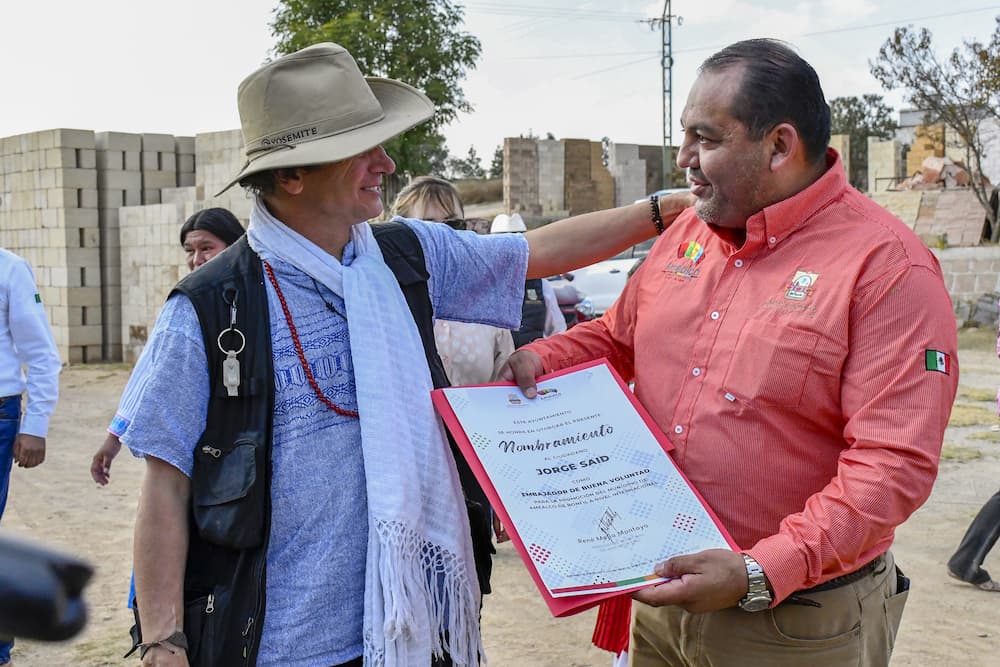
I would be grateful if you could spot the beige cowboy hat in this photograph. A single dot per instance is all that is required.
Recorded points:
(314, 106)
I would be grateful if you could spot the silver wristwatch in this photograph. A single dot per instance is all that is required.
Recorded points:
(758, 598)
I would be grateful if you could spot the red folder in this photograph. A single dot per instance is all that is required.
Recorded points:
(561, 606)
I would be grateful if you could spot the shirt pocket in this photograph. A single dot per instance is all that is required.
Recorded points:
(770, 364)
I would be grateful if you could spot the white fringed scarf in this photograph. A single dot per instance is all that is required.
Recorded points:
(421, 590)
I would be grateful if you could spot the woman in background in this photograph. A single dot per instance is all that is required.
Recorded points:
(203, 236)
(471, 353)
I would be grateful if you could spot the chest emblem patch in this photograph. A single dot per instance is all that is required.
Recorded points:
(801, 286)
(691, 250)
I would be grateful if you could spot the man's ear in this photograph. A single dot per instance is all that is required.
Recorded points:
(290, 181)
(785, 145)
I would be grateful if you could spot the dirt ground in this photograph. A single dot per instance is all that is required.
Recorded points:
(945, 623)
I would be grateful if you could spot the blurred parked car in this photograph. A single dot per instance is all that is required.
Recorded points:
(604, 281)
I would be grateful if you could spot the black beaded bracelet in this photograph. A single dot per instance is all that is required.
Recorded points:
(654, 210)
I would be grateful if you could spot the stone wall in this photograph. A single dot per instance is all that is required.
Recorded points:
(842, 144)
(928, 141)
(549, 179)
(49, 215)
(61, 196)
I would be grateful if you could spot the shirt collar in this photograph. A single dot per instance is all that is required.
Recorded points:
(782, 218)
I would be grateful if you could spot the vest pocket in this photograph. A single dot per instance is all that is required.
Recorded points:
(228, 490)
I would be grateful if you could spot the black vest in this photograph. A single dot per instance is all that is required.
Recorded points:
(224, 580)
(532, 314)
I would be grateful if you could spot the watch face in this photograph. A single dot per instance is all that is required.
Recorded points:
(759, 603)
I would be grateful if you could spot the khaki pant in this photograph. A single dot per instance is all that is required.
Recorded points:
(856, 626)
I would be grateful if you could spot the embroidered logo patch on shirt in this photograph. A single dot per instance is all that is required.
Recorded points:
(691, 250)
(801, 286)
(936, 360)
(38, 297)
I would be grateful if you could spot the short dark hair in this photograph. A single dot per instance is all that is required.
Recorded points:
(218, 221)
(264, 182)
(778, 86)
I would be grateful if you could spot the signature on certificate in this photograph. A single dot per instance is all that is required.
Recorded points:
(607, 522)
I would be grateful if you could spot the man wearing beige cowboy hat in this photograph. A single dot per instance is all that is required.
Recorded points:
(301, 504)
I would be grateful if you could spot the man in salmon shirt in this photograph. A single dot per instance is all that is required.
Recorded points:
(796, 343)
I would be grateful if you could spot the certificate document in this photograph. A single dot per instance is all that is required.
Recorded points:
(581, 478)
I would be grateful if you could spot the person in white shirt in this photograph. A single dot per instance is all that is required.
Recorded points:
(25, 342)
(471, 353)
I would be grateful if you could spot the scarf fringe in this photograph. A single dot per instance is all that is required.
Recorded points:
(421, 578)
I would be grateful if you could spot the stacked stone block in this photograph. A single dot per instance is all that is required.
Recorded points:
(48, 214)
(219, 156)
(603, 181)
(652, 156)
(579, 189)
(152, 262)
(629, 173)
(119, 183)
(886, 165)
(969, 273)
(520, 176)
(842, 144)
(954, 216)
(904, 204)
(184, 147)
(158, 161)
(928, 141)
(551, 178)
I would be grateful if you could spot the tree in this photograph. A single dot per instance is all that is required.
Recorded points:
(496, 167)
(959, 92)
(860, 118)
(469, 167)
(419, 42)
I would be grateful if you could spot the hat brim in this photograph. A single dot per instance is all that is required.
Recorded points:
(403, 105)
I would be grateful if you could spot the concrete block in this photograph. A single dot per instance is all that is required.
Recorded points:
(119, 180)
(186, 179)
(87, 198)
(86, 158)
(158, 180)
(133, 161)
(86, 218)
(184, 145)
(114, 160)
(60, 158)
(75, 138)
(118, 141)
(168, 162)
(150, 161)
(185, 163)
(151, 196)
(158, 142)
(76, 178)
(84, 296)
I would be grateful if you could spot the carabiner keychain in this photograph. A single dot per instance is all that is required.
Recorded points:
(231, 365)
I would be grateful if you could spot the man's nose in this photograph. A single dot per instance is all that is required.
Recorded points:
(687, 156)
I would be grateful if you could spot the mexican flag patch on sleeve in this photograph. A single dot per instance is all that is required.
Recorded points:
(936, 360)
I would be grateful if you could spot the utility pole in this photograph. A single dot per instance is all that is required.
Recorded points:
(665, 22)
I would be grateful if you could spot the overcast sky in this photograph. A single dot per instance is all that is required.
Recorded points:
(575, 69)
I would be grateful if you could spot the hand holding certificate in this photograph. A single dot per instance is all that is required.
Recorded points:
(581, 478)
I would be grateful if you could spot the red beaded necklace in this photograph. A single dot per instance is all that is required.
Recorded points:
(298, 349)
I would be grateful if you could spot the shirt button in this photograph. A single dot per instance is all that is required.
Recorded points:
(738, 263)
(678, 429)
(773, 240)
(696, 372)
(714, 315)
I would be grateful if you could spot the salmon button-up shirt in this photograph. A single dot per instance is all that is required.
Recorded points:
(805, 377)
